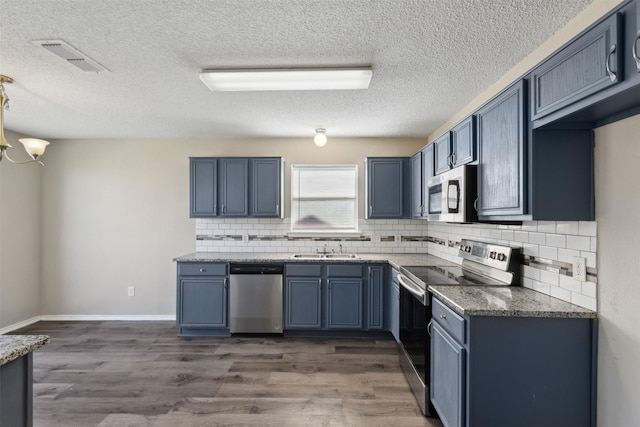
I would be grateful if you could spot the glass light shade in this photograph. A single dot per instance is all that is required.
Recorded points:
(34, 147)
(321, 138)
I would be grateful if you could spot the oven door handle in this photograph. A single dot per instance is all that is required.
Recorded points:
(414, 289)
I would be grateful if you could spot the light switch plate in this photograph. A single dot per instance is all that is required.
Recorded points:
(580, 268)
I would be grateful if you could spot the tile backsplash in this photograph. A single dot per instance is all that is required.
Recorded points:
(548, 247)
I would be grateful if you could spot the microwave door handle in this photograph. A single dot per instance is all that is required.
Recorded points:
(456, 207)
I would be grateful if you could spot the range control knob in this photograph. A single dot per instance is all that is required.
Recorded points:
(492, 255)
(466, 248)
(501, 257)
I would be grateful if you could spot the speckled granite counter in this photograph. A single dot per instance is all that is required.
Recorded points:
(506, 301)
(15, 346)
(395, 260)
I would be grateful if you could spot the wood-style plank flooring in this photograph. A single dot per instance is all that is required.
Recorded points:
(120, 374)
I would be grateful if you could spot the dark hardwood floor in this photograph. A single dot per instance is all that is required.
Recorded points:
(143, 374)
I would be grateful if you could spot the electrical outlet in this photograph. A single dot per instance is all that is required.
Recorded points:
(580, 268)
(131, 291)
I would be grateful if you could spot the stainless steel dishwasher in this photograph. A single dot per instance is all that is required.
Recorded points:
(255, 298)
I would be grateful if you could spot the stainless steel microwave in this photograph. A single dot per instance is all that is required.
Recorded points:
(451, 195)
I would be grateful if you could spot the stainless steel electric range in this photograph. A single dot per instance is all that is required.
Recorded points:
(483, 264)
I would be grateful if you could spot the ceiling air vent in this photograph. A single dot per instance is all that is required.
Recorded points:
(70, 54)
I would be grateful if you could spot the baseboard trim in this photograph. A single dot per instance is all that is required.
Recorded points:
(19, 325)
(87, 317)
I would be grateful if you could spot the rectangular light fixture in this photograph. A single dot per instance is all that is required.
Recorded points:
(287, 79)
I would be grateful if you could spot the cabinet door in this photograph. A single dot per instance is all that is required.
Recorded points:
(203, 190)
(266, 186)
(501, 154)
(463, 142)
(442, 152)
(344, 303)
(202, 302)
(302, 303)
(417, 204)
(386, 186)
(234, 182)
(589, 64)
(448, 377)
(375, 300)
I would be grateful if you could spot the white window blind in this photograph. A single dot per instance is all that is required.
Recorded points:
(324, 198)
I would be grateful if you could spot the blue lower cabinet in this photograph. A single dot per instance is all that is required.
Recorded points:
(507, 371)
(344, 303)
(375, 297)
(303, 299)
(202, 300)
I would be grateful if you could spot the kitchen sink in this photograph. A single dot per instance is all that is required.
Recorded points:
(324, 256)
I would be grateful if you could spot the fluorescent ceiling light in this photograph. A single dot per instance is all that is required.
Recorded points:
(287, 79)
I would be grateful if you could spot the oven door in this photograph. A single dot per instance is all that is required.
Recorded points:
(415, 314)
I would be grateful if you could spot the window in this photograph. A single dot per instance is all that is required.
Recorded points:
(324, 198)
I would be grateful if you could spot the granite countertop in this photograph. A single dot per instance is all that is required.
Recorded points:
(506, 301)
(396, 260)
(15, 346)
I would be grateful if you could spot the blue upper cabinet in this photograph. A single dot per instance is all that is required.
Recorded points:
(236, 187)
(442, 153)
(589, 64)
(417, 201)
(233, 185)
(266, 187)
(463, 142)
(203, 178)
(388, 187)
(501, 154)
(456, 147)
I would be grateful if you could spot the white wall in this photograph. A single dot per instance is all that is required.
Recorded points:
(20, 206)
(618, 215)
(117, 213)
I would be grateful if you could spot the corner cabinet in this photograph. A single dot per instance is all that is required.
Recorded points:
(388, 181)
(236, 187)
(202, 299)
(501, 130)
(507, 371)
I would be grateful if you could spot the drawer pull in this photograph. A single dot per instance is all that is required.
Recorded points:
(202, 270)
(442, 316)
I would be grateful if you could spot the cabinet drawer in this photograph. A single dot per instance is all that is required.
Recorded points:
(302, 270)
(344, 270)
(450, 321)
(202, 269)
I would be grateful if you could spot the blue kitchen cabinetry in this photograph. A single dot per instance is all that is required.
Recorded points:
(235, 187)
(202, 298)
(388, 187)
(589, 64)
(531, 174)
(421, 170)
(303, 296)
(595, 78)
(326, 297)
(506, 371)
(456, 147)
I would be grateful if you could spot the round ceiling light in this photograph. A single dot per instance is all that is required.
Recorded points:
(321, 137)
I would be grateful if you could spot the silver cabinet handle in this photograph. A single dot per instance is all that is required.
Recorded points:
(475, 204)
(370, 210)
(612, 74)
(453, 159)
(442, 316)
(634, 50)
(223, 208)
(429, 328)
(202, 270)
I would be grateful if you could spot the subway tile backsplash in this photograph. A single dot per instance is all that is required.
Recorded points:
(548, 247)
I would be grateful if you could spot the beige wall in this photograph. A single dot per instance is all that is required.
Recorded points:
(117, 212)
(618, 213)
(20, 206)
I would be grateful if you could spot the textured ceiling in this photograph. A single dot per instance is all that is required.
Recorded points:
(429, 59)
